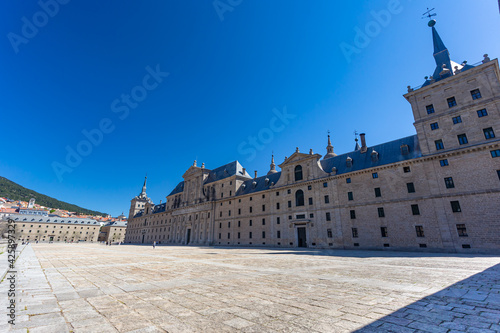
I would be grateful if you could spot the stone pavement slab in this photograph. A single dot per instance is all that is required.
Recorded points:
(94, 288)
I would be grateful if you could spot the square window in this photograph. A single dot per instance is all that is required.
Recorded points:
(327, 199)
(289, 217)
(328, 216)
(277, 220)
(353, 214)
(455, 206)
(476, 94)
(309, 187)
(310, 201)
(444, 162)
(462, 139)
(263, 196)
(381, 212)
(277, 205)
(374, 175)
(350, 196)
(348, 180)
(482, 113)
(289, 191)
(383, 231)
(278, 234)
(430, 109)
(289, 204)
(251, 198)
(419, 230)
(439, 144)
(378, 193)
(325, 184)
(449, 182)
(355, 233)
(488, 133)
(495, 153)
(329, 233)
(410, 187)
(406, 169)
(457, 120)
(451, 102)
(415, 210)
(311, 215)
(434, 126)
(462, 230)
(277, 194)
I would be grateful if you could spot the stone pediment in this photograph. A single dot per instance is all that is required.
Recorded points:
(299, 157)
(193, 171)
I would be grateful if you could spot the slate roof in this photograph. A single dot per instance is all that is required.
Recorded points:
(178, 189)
(389, 152)
(116, 224)
(258, 184)
(52, 219)
(225, 171)
(159, 208)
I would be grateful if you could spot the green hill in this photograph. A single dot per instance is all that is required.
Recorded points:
(11, 190)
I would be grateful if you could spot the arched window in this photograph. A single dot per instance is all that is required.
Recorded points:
(298, 173)
(299, 198)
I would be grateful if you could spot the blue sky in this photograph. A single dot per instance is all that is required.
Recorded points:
(158, 84)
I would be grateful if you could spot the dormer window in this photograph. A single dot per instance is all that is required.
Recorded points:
(374, 156)
(298, 173)
(405, 149)
(348, 162)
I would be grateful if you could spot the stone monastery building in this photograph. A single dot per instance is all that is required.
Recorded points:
(436, 190)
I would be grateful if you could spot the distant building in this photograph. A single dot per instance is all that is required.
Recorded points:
(113, 232)
(55, 229)
(31, 211)
(436, 190)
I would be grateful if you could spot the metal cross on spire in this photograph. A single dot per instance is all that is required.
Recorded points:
(429, 13)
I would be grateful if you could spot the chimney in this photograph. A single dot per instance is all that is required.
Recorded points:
(244, 171)
(363, 143)
(255, 173)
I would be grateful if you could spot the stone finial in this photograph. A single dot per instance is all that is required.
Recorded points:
(297, 150)
(194, 163)
(310, 151)
(203, 165)
(410, 89)
(486, 58)
(244, 171)
(457, 70)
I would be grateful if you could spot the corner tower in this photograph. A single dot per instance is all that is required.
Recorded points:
(138, 203)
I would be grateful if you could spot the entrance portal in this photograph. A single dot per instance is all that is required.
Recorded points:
(143, 239)
(301, 236)
(188, 237)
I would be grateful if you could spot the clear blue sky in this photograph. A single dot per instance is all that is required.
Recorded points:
(228, 69)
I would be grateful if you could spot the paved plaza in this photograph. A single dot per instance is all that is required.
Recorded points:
(97, 288)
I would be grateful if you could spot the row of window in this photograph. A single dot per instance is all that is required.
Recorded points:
(462, 138)
(419, 230)
(415, 210)
(452, 101)
(250, 235)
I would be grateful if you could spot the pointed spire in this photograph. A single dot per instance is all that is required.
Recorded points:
(441, 55)
(143, 192)
(356, 146)
(329, 148)
(273, 166)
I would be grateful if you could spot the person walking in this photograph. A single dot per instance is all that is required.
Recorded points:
(154, 244)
